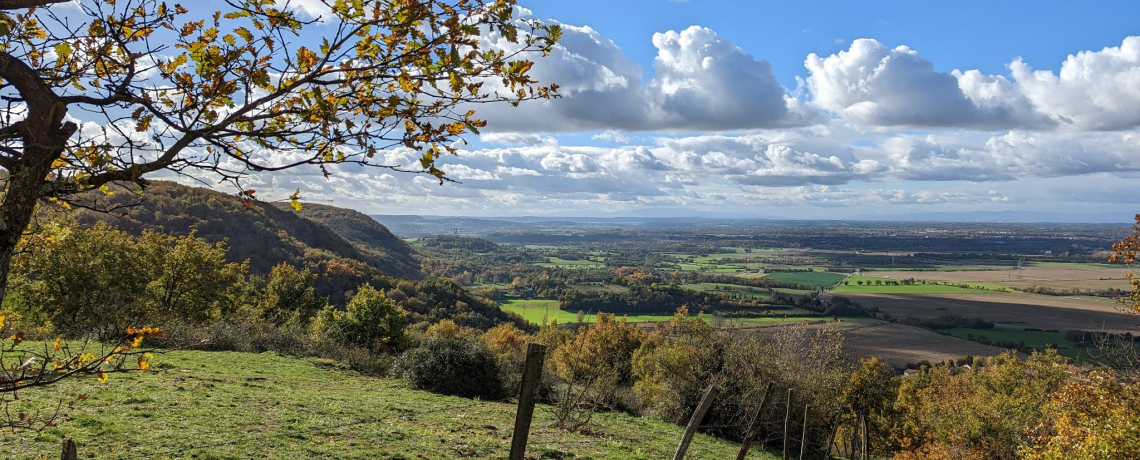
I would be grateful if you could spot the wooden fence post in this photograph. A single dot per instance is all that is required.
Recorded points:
(787, 421)
(695, 421)
(69, 451)
(754, 427)
(863, 436)
(803, 436)
(831, 441)
(532, 375)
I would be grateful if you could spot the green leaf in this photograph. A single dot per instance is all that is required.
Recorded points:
(63, 49)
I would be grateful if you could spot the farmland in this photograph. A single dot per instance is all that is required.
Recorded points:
(900, 272)
(875, 285)
(535, 310)
(812, 278)
(1052, 275)
(1013, 309)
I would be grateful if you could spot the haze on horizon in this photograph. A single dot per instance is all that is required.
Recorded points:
(705, 108)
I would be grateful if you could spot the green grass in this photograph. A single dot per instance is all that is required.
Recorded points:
(820, 279)
(1035, 339)
(735, 289)
(534, 310)
(555, 262)
(220, 405)
(851, 285)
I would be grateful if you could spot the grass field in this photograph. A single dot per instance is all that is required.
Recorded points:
(222, 405)
(852, 285)
(735, 289)
(1036, 339)
(555, 262)
(534, 310)
(1055, 275)
(820, 279)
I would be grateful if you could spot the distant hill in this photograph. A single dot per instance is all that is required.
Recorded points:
(262, 233)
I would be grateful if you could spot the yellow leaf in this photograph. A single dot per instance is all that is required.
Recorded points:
(56, 348)
(102, 377)
(143, 363)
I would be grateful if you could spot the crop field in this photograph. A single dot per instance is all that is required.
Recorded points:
(608, 288)
(896, 344)
(899, 344)
(1036, 339)
(1011, 309)
(814, 278)
(1053, 275)
(748, 291)
(534, 310)
(555, 262)
(852, 285)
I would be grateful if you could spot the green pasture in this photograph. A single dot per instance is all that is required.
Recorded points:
(820, 279)
(227, 405)
(534, 310)
(931, 287)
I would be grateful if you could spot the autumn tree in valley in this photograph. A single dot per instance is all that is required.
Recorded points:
(1124, 252)
(101, 91)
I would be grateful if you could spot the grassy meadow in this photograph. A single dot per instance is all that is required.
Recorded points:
(931, 287)
(534, 310)
(818, 279)
(225, 405)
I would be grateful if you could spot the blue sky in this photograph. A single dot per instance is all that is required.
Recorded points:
(982, 35)
(797, 109)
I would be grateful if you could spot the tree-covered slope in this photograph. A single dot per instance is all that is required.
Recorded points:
(262, 233)
(368, 236)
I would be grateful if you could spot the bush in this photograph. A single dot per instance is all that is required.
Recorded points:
(370, 320)
(450, 366)
(290, 296)
(258, 336)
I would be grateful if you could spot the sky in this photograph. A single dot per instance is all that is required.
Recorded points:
(797, 110)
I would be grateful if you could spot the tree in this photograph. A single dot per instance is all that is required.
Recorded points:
(1124, 252)
(290, 296)
(1089, 419)
(238, 91)
(88, 281)
(101, 280)
(369, 320)
(189, 278)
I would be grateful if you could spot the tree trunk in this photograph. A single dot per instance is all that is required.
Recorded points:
(21, 193)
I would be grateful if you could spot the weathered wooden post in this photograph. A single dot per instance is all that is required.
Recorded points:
(532, 375)
(831, 441)
(787, 421)
(803, 436)
(863, 436)
(695, 421)
(754, 427)
(69, 451)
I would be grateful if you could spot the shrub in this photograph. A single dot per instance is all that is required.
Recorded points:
(449, 366)
(290, 296)
(370, 320)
